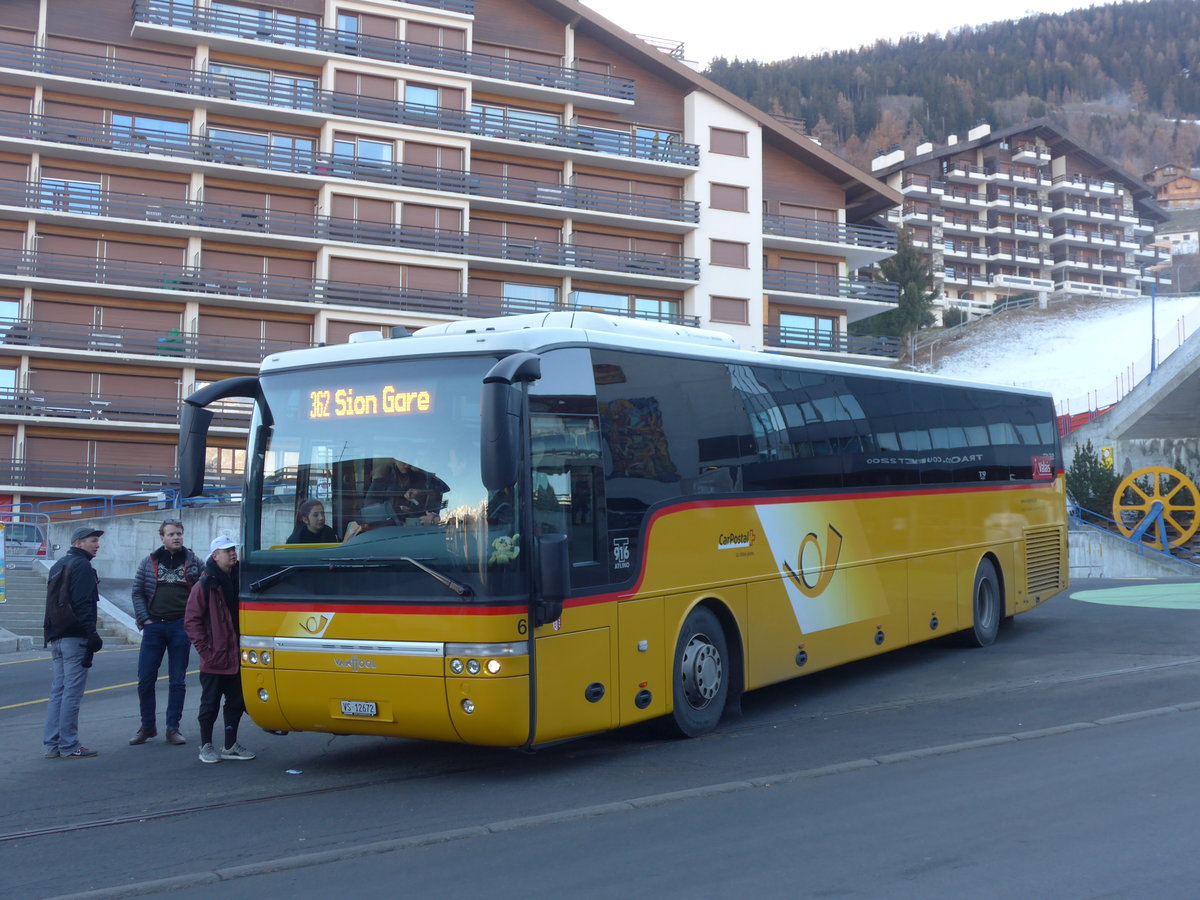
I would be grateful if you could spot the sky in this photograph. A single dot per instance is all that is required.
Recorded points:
(757, 30)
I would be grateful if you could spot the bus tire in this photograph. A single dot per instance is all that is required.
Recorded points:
(700, 674)
(987, 606)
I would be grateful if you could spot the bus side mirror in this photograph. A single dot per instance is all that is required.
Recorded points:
(193, 446)
(500, 402)
(500, 435)
(554, 575)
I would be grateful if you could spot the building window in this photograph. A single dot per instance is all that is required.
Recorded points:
(142, 133)
(266, 87)
(654, 308)
(246, 21)
(805, 330)
(273, 151)
(652, 143)
(729, 196)
(727, 142)
(730, 310)
(730, 253)
(529, 297)
(421, 95)
(362, 148)
(70, 196)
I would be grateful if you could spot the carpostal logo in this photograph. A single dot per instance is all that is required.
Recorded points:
(354, 663)
(736, 540)
(1043, 467)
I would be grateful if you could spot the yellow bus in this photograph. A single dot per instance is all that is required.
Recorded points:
(532, 528)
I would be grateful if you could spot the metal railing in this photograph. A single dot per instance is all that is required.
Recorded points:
(251, 25)
(790, 338)
(259, 153)
(198, 280)
(124, 340)
(107, 407)
(830, 286)
(830, 232)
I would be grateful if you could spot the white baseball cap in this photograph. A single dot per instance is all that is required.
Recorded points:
(221, 542)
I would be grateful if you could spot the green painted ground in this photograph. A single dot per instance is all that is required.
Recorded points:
(1158, 596)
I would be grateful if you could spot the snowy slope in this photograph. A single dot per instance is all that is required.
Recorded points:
(1088, 353)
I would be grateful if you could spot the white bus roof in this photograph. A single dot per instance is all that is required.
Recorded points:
(511, 334)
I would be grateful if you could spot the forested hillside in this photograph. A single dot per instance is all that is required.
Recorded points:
(1117, 77)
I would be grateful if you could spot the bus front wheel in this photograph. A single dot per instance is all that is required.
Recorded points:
(701, 674)
(987, 606)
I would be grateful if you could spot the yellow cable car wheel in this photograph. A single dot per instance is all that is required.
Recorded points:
(1157, 503)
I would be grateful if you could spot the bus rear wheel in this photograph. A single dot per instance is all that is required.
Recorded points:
(987, 606)
(701, 674)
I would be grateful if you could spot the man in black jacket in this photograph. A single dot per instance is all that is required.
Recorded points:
(71, 646)
(160, 590)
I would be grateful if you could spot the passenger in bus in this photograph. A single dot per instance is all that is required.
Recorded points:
(311, 528)
(399, 492)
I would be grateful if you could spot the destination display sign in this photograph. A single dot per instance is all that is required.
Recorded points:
(389, 400)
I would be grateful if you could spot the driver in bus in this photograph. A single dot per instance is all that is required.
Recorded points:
(400, 492)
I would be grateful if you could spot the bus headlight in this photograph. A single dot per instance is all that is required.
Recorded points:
(468, 706)
(266, 657)
(472, 667)
(253, 657)
(456, 666)
(263, 695)
(493, 666)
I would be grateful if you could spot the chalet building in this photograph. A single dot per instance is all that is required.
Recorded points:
(1175, 187)
(188, 185)
(1023, 211)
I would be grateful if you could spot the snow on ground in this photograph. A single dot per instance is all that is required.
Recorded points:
(1088, 353)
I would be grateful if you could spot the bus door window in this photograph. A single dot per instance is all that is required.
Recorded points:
(568, 491)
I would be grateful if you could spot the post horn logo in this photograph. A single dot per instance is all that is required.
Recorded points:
(315, 624)
(826, 563)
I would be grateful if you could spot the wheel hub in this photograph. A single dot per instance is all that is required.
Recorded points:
(701, 672)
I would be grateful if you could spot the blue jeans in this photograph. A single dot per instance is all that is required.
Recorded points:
(157, 638)
(66, 691)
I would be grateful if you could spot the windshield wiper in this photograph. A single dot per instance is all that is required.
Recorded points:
(263, 583)
(462, 590)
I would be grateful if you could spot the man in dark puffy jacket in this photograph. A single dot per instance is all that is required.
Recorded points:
(160, 590)
(211, 621)
(72, 645)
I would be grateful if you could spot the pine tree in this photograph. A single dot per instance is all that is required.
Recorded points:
(913, 272)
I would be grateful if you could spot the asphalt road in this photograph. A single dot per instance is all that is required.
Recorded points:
(1056, 763)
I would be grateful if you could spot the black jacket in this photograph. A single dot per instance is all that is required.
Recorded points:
(85, 594)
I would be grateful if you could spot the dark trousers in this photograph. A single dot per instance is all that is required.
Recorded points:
(159, 638)
(212, 689)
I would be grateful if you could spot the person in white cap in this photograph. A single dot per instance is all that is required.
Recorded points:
(211, 620)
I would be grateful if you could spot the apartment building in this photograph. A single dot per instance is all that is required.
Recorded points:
(1025, 210)
(188, 185)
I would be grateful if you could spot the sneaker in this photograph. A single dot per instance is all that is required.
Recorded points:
(209, 754)
(50, 754)
(237, 751)
(174, 737)
(79, 753)
(143, 735)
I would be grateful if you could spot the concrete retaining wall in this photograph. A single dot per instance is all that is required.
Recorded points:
(1097, 554)
(130, 537)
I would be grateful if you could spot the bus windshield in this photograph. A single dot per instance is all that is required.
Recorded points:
(375, 466)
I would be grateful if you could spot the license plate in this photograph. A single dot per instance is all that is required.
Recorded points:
(358, 708)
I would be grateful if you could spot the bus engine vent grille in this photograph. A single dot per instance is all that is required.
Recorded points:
(1044, 549)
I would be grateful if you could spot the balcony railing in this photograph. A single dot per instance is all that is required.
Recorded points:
(258, 153)
(122, 341)
(309, 36)
(107, 407)
(830, 232)
(97, 476)
(830, 286)
(787, 338)
(25, 264)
